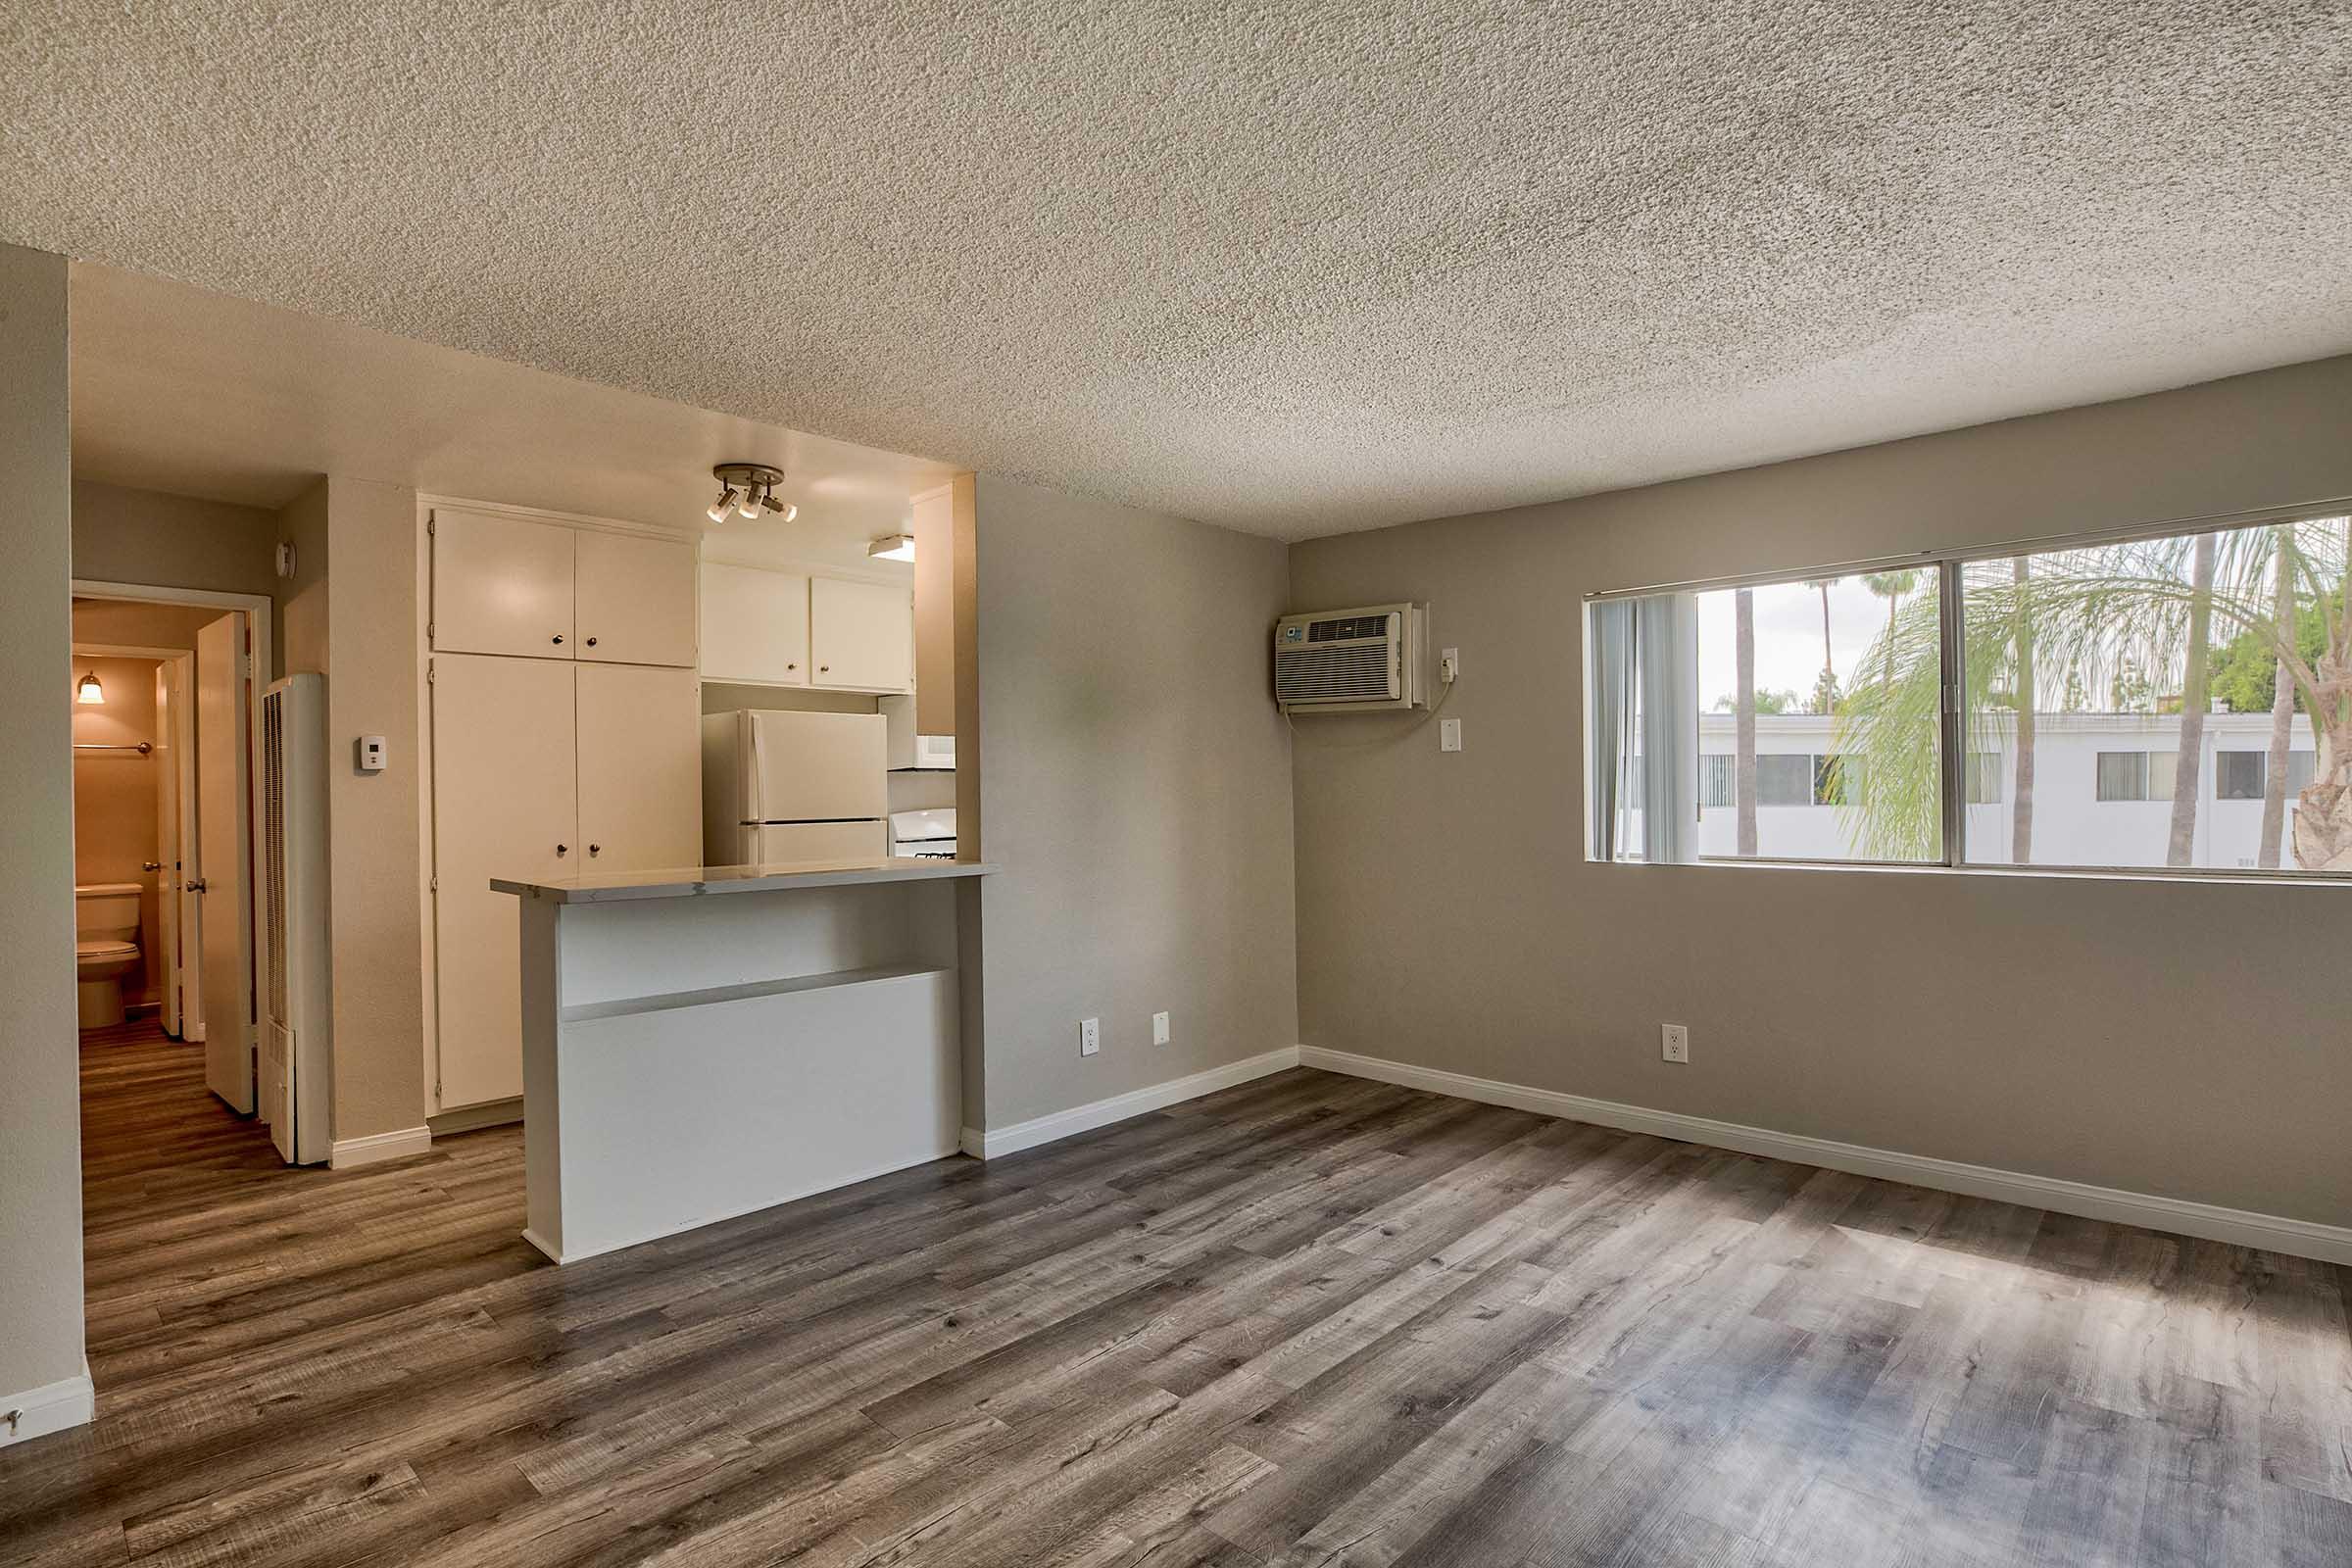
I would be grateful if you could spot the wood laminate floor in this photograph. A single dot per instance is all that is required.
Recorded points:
(1309, 1320)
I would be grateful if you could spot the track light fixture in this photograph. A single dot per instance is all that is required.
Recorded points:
(748, 489)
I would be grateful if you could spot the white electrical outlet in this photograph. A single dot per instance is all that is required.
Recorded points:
(1449, 665)
(1675, 1041)
(1450, 734)
(1090, 1036)
(1159, 1028)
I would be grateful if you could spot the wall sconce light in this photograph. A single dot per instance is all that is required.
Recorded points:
(89, 691)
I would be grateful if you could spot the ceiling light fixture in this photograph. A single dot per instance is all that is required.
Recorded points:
(893, 547)
(89, 691)
(748, 489)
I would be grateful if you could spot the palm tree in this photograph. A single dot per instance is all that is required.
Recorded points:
(1826, 689)
(1891, 586)
(2283, 704)
(2100, 612)
(2021, 643)
(1744, 725)
(2188, 759)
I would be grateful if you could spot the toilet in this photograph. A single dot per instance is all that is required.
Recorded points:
(106, 948)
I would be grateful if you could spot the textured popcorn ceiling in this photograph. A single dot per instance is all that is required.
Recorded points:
(1294, 268)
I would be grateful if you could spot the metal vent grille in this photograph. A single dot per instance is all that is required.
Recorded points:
(1359, 671)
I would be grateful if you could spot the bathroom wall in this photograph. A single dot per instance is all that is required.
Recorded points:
(115, 830)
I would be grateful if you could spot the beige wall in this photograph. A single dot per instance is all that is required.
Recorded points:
(302, 599)
(115, 833)
(40, 1122)
(374, 836)
(145, 536)
(2168, 1038)
(1136, 786)
(129, 623)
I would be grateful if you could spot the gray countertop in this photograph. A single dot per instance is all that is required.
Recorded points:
(695, 881)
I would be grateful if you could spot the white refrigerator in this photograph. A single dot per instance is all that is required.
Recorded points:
(785, 789)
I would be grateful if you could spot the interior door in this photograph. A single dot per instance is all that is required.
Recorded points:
(860, 634)
(503, 804)
(224, 840)
(635, 598)
(188, 955)
(501, 585)
(640, 767)
(163, 962)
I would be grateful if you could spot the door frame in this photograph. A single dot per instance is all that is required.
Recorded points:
(258, 608)
(172, 986)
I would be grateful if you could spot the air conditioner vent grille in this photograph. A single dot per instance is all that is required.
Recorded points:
(1335, 672)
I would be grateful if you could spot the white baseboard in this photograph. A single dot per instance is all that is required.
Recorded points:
(376, 1147)
(1012, 1140)
(474, 1118)
(52, 1407)
(558, 1254)
(2300, 1237)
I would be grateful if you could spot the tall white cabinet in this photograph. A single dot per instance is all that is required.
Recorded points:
(565, 735)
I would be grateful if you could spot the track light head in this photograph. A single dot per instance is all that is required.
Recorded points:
(748, 490)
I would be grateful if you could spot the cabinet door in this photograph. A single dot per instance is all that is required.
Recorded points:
(636, 599)
(641, 767)
(501, 586)
(862, 635)
(755, 625)
(503, 805)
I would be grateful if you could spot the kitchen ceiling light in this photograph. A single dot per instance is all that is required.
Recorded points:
(748, 489)
(89, 691)
(893, 547)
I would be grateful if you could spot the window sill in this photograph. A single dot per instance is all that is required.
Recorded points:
(2246, 877)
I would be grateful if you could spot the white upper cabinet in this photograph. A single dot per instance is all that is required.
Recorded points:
(636, 599)
(755, 625)
(861, 635)
(501, 585)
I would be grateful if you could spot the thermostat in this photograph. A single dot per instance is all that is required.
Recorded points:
(372, 753)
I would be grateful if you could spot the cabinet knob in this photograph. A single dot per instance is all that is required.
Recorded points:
(792, 667)
(558, 638)
(596, 849)
(563, 849)
(592, 642)
(824, 670)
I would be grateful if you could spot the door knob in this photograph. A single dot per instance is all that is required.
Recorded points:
(563, 849)
(559, 637)
(151, 865)
(596, 849)
(195, 884)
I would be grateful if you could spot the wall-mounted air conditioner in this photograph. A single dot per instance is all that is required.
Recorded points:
(1366, 660)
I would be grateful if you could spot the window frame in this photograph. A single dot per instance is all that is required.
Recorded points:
(1949, 565)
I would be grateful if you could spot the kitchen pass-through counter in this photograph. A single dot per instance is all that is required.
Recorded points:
(704, 1042)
